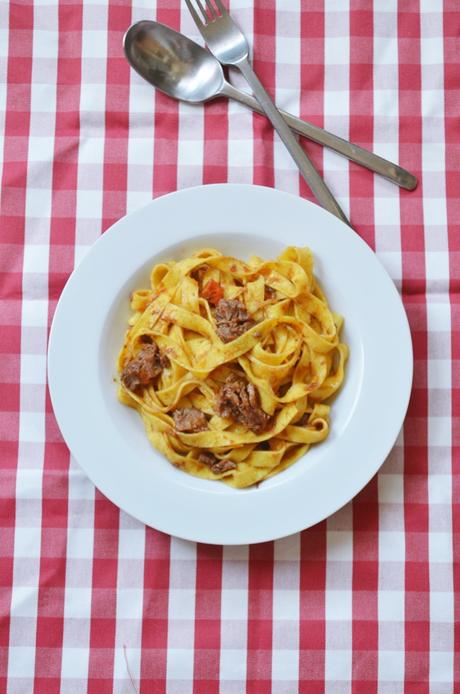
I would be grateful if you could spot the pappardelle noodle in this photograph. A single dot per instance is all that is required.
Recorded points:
(229, 363)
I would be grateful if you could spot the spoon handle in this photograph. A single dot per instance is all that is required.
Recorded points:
(392, 172)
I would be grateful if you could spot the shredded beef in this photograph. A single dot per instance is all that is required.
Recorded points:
(239, 400)
(264, 446)
(199, 272)
(232, 319)
(223, 466)
(190, 420)
(217, 466)
(269, 293)
(207, 458)
(144, 368)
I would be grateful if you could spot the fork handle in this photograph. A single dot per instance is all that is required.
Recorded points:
(392, 172)
(308, 171)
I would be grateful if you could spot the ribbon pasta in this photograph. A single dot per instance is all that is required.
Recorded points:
(291, 353)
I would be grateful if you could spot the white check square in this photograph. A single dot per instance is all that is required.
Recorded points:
(391, 605)
(433, 154)
(386, 213)
(285, 665)
(24, 601)
(234, 604)
(437, 265)
(21, 662)
(27, 542)
(441, 606)
(131, 543)
(442, 666)
(392, 545)
(124, 658)
(391, 489)
(137, 199)
(336, 103)
(440, 547)
(385, 103)
(3, 42)
(91, 151)
(336, 50)
(385, 50)
(440, 489)
(80, 542)
(337, 667)
(432, 50)
(233, 664)
(32, 427)
(287, 548)
(33, 368)
(286, 604)
(180, 664)
(391, 666)
(89, 203)
(38, 203)
(287, 50)
(74, 663)
(439, 431)
(181, 603)
(182, 549)
(36, 258)
(438, 316)
(77, 603)
(434, 211)
(92, 98)
(129, 603)
(42, 97)
(190, 152)
(338, 605)
(94, 43)
(46, 43)
(339, 545)
(439, 373)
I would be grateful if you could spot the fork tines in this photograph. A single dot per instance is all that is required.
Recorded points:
(215, 10)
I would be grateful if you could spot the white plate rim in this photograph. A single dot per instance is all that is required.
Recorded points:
(184, 524)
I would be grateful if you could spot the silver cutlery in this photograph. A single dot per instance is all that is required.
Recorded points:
(184, 70)
(230, 47)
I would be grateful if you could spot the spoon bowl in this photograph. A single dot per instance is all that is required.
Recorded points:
(173, 63)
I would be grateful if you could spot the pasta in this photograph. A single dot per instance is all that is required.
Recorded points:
(230, 363)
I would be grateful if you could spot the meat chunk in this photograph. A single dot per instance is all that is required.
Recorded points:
(199, 272)
(144, 368)
(217, 466)
(239, 400)
(269, 293)
(213, 292)
(232, 319)
(190, 420)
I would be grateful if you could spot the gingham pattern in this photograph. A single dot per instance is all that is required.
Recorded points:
(91, 600)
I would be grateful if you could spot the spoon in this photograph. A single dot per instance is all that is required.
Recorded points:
(184, 70)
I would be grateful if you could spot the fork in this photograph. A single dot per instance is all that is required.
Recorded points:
(228, 43)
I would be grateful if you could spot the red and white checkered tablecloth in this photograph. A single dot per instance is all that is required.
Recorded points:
(90, 599)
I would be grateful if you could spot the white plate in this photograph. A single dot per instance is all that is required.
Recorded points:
(108, 439)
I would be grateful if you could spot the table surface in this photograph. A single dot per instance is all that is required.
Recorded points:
(90, 599)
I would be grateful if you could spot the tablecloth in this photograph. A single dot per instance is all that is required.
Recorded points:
(93, 601)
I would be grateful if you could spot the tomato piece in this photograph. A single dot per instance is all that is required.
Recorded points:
(213, 292)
